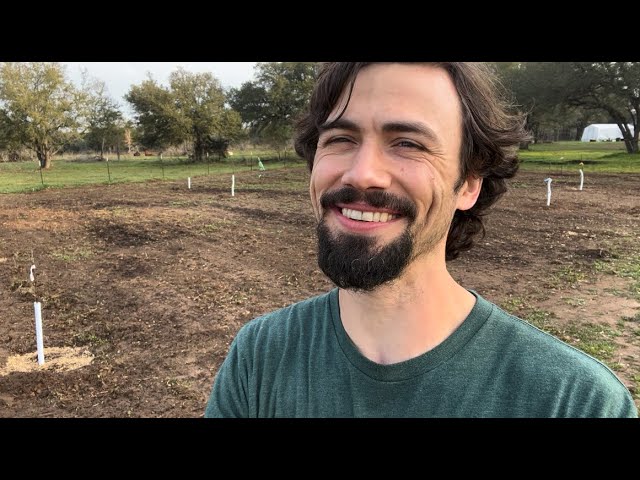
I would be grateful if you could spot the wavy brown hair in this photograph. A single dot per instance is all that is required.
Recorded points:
(491, 135)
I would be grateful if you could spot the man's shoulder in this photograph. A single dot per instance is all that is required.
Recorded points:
(294, 317)
(539, 362)
(543, 351)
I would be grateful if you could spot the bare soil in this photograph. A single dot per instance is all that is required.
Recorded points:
(143, 286)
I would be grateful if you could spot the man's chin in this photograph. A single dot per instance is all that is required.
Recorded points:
(355, 262)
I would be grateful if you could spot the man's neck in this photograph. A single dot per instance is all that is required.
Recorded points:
(403, 320)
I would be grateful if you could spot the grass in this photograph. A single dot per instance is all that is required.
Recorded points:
(591, 338)
(575, 302)
(91, 339)
(598, 157)
(627, 267)
(569, 275)
(16, 177)
(72, 255)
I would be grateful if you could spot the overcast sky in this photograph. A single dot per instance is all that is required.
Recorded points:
(119, 76)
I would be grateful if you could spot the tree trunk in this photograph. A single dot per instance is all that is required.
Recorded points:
(630, 141)
(580, 126)
(118, 150)
(102, 149)
(198, 150)
(45, 159)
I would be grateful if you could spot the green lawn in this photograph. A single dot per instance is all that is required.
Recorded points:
(606, 157)
(65, 172)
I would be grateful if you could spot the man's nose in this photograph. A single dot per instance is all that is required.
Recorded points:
(368, 168)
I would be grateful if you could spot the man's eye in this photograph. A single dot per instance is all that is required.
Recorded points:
(338, 140)
(408, 144)
(334, 140)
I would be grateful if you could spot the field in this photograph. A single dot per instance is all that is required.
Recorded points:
(74, 170)
(143, 286)
(600, 157)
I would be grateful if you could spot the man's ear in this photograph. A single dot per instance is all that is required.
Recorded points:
(468, 193)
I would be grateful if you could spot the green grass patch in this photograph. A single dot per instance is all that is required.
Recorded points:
(82, 339)
(575, 302)
(513, 305)
(596, 340)
(535, 316)
(72, 255)
(119, 211)
(18, 177)
(570, 275)
(597, 157)
(609, 157)
(289, 186)
(183, 203)
(214, 226)
(628, 267)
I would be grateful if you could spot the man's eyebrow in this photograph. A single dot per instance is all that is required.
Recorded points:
(339, 123)
(390, 127)
(412, 127)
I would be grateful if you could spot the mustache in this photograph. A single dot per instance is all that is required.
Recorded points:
(375, 198)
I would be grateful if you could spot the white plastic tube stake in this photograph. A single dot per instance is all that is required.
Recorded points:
(189, 182)
(233, 185)
(581, 178)
(37, 306)
(548, 180)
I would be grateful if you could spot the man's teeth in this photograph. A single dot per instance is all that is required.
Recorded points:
(367, 216)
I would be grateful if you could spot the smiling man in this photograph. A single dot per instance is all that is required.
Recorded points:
(405, 158)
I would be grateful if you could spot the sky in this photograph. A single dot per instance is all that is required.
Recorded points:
(119, 76)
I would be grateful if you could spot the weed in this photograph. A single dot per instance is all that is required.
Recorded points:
(72, 255)
(570, 275)
(575, 302)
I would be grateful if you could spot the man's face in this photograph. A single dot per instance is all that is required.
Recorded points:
(382, 184)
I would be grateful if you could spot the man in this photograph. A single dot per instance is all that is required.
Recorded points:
(404, 160)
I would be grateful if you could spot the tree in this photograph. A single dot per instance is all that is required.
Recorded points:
(202, 114)
(105, 122)
(155, 115)
(270, 105)
(577, 93)
(191, 110)
(612, 87)
(529, 83)
(39, 107)
(128, 139)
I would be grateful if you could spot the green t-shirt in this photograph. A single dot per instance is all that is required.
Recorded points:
(299, 362)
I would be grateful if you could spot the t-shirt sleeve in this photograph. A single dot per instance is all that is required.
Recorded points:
(229, 396)
(615, 403)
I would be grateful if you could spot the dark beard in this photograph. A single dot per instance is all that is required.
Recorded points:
(353, 262)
